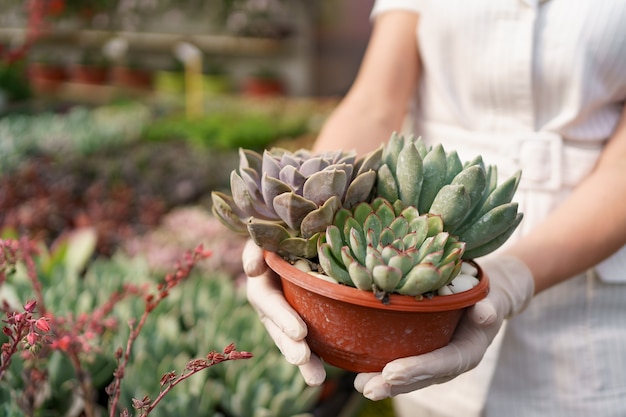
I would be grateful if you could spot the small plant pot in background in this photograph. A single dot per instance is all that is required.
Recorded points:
(263, 87)
(131, 77)
(46, 78)
(89, 74)
(351, 329)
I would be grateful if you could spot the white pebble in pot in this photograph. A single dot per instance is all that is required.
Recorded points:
(463, 282)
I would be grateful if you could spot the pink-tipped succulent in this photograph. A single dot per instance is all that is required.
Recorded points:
(387, 249)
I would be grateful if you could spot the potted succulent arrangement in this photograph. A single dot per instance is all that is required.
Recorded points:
(376, 254)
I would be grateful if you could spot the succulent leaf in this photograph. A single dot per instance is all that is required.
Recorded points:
(373, 258)
(242, 195)
(409, 175)
(389, 252)
(392, 150)
(224, 208)
(386, 277)
(492, 224)
(360, 189)
(421, 279)
(452, 204)
(304, 248)
(420, 228)
(292, 208)
(422, 149)
(386, 186)
(434, 177)
(362, 212)
(334, 240)
(386, 237)
(267, 235)
(360, 276)
(371, 162)
(325, 184)
(435, 225)
(373, 224)
(332, 266)
(446, 270)
(250, 159)
(495, 243)
(381, 250)
(434, 181)
(502, 194)
(358, 244)
(270, 188)
(386, 214)
(292, 177)
(317, 220)
(474, 179)
(270, 165)
(350, 224)
(299, 191)
(478, 160)
(453, 166)
(402, 262)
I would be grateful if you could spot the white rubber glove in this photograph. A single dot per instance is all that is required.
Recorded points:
(512, 287)
(282, 322)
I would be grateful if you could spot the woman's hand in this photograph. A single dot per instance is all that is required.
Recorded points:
(283, 324)
(511, 288)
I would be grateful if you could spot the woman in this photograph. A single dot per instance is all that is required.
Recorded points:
(532, 85)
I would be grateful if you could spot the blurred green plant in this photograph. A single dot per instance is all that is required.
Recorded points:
(79, 131)
(228, 130)
(86, 303)
(13, 81)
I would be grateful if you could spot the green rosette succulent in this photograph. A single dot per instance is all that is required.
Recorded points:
(285, 200)
(467, 196)
(389, 248)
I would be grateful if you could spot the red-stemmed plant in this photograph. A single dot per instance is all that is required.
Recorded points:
(35, 332)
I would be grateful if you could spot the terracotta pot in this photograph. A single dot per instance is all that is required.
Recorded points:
(131, 77)
(263, 87)
(86, 74)
(46, 77)
(351, 329)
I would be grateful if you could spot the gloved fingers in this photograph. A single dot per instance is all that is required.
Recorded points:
(296, 352)
(446, 361)
(265, 295)
(363, 378)
(483, 313)
(376, 388)
(464, 352)
(313, 371)
(252, 259)
(372, 385)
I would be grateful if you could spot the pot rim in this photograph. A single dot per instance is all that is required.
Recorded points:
(397, 302)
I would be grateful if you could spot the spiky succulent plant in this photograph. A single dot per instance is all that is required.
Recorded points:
(466, 195)
(284, 200)
(390, 249)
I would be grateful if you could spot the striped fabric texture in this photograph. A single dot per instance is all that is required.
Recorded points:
(539, 86)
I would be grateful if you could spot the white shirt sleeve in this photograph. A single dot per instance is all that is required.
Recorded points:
(381, 6)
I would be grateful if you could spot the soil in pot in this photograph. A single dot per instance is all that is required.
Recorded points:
(351, 329)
